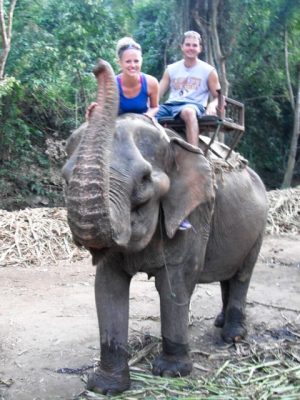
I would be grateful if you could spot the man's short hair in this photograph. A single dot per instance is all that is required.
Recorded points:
(192, 34)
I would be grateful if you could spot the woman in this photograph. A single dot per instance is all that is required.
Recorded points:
(138, 91)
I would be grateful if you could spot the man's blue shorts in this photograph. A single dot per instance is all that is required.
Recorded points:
(174, 109)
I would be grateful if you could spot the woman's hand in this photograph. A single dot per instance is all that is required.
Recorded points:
(89, 110)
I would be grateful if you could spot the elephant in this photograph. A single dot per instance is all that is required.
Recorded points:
(129, 185)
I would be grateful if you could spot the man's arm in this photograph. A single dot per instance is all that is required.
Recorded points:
(164, 84)
(214, 86)
(213, 83)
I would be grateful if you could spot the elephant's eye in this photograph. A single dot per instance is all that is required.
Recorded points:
(146, 179)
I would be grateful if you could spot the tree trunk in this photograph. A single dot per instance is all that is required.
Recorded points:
(216, 47)
(287, 70)
(205, 17)
(5, 34)
(287, 180)
(185, 15)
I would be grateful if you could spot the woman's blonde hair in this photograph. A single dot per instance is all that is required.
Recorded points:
(126, 43)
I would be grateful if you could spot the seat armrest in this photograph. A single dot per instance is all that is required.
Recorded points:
(235, 111)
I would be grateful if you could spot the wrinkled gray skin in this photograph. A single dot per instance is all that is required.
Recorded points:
(129, 185)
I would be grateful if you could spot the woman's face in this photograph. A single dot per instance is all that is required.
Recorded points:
(131, 62)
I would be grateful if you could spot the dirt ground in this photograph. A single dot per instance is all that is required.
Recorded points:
(48, 319)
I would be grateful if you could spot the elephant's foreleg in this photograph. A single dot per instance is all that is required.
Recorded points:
(174, 306)
(112, 302)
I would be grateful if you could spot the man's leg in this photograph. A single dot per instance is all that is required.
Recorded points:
(189, 115)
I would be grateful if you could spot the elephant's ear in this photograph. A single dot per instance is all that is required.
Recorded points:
(74, 140)
(192, 184)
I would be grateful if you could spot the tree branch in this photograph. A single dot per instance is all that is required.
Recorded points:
(288, 176)
(5, 33)
(2, 23)
(287, 71)
(203, 26)
(218, 55)
(214, 30)
(10, 18)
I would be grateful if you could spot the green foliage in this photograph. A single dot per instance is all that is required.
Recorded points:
(55, 45)
(54, 48)
(14, 132)
(158, 30)
(258, 78)
(42, 160)
(7, 85)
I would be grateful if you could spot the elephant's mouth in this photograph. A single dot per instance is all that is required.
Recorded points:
(144, 216)
(99, 254)
(143, 224)
(137, 209)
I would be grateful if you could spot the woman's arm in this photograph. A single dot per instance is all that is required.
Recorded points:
(89, 110)
(152, 84)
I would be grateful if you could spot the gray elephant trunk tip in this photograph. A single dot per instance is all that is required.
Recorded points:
(101, 67)
(107, 96)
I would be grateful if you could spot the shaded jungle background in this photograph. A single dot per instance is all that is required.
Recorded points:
(48, 49)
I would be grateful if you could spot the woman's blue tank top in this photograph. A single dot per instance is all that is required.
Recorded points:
(137, 104)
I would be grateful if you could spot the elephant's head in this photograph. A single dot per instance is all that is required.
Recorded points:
(124, 170)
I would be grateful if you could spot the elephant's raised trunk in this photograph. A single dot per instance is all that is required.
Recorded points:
(88, 189)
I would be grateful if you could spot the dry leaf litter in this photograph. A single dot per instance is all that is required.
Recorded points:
(42, 235)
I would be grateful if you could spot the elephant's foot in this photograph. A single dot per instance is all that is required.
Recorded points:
(234, 329)
(112, 375)
(173, 361)
(220, 320)
(110, 383)
(172, 366)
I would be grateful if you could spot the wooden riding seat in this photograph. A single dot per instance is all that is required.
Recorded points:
(230, 121)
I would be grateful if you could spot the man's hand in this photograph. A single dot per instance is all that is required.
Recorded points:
(216, 108)
(211, 108)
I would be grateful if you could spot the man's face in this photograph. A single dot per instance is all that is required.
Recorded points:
(191, 48)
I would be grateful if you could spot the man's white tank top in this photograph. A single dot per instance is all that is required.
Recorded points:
(189, 85)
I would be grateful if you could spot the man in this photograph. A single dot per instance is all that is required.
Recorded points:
(190, 82)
